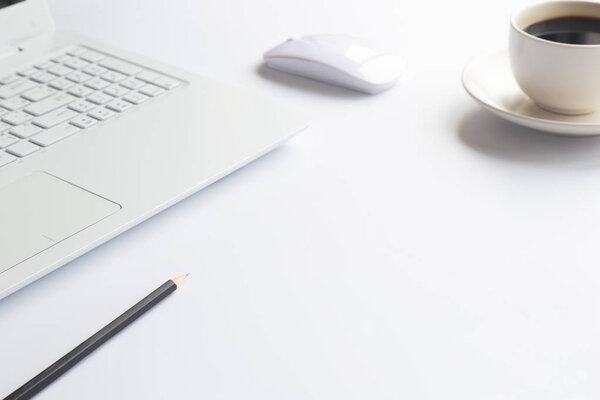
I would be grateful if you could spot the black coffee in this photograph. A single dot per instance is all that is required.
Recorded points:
(570, 30)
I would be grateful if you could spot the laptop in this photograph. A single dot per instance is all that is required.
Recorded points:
(95, 139)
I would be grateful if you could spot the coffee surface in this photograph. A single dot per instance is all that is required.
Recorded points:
(569, 30)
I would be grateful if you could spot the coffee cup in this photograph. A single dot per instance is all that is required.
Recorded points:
(555, 55)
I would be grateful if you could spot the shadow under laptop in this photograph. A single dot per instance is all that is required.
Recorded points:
(488, 134)
(307, 85)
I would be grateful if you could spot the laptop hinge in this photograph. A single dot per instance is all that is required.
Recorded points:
(7, 50)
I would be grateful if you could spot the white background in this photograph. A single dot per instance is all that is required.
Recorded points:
(406, 246)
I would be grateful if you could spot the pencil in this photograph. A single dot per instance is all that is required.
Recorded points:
(53, 372)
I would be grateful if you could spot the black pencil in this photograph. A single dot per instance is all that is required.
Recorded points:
(53, 372)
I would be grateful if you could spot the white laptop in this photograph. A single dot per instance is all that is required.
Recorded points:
(95, 139)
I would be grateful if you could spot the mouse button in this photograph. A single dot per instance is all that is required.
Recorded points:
(359, 54)
(348, 46)
(293, 48)
(384, 68)
(328, 45)
(343, 52)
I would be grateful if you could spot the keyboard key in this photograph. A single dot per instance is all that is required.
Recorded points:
(76, 51)
(8, 79)
(3, 111)
(148, 76)
(6, 139)
(99, 98)
(28, 71)
(26, 130)
(132, 83)
(60, 70)
(96, 83)
(135, 98)
(22, 149)
(116, 91)
(6, 158)
(113, 76)
(159, 80)
(45, 64)
(51, 103)
(61, 84)
(38, 93)
(4, 126)
(16, 117)
(53, 135)
(92, 56)
(55, 117)
(151, 90)
(78, 77)
(81, 91)
(15, 88)
(14, 103)
(61, 58)
(119, 105)
(76, 63)
(94, 69)
(120, 66)
(83, 121)
(167, 83)
(42, 77)
(101, 114)
(82, 106)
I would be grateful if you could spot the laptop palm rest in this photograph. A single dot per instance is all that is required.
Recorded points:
(39, 211)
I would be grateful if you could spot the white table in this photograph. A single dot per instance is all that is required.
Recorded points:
(406, 246)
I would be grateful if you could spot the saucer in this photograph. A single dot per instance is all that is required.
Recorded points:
(489, 80)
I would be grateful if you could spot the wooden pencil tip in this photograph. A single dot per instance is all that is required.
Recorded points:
(177, 281)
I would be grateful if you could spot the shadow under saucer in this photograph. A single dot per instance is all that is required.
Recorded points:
(489, 134)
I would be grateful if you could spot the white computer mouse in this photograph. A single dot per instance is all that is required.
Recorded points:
(338, 59)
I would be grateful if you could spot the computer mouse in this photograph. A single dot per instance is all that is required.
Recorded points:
(338, 59)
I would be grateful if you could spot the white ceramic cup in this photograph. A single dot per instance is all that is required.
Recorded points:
(561, 78)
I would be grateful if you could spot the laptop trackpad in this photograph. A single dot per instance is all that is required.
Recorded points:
(39, 211)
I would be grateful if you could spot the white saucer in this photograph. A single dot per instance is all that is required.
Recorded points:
(489, 80)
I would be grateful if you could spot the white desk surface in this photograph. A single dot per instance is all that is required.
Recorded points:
(406, 246)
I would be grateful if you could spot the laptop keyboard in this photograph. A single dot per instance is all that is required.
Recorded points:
(74, 90)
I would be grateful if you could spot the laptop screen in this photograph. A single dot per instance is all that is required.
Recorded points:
(6, 3)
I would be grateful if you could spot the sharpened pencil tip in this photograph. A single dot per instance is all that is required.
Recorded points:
(177, 281)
